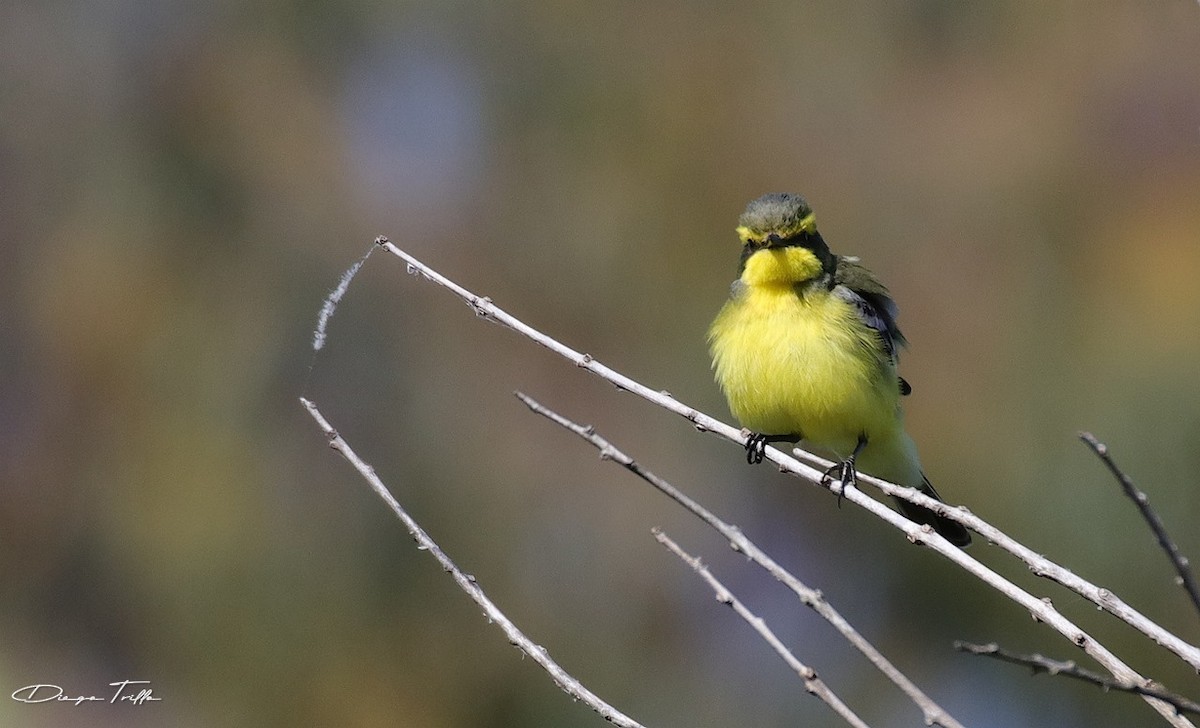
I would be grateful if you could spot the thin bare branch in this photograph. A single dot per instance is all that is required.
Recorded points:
(466, 582)
(933, 713)
(1040, 663)
(1183, 569)
(1037, 563)
(1040, 609)
(812, 683)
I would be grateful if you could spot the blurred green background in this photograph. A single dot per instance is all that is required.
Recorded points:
(181, 183)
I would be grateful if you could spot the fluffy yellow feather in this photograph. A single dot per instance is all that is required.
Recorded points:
(806, 349)
(800, 362)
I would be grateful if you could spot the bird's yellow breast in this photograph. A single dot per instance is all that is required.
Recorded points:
(799, 360)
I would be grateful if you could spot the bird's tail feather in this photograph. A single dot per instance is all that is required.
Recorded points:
(952, 531)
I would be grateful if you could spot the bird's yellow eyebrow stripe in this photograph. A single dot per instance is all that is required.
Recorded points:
(746, 235)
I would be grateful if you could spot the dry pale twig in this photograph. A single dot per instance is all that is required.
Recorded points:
(812, 683)
(1038, 564)
(933, 713)
(1041, 610)
(1185, 578)
(466, 582)
(1040, 663)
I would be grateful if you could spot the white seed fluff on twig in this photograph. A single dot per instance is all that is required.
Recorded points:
(334, 298)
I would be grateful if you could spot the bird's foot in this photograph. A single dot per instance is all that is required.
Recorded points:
(756, 444)
(756, 447)
(846, 477)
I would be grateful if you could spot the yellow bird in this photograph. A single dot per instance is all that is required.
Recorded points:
(806, 349)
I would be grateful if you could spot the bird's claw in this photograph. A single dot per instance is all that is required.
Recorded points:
(847, 477)
(756, 447)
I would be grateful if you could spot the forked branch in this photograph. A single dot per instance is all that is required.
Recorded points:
(1041, 609)
(1041, 664)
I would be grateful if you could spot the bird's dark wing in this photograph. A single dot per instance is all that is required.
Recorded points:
(874, 306)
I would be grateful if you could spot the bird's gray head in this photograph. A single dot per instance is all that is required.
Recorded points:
(774, 218)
